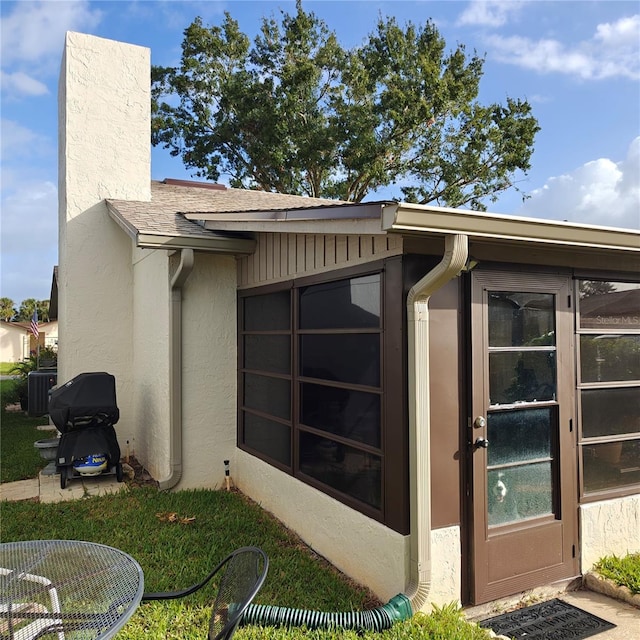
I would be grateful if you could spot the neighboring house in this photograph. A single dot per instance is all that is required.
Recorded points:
(17, 342)
(14, 341)
(419, 392)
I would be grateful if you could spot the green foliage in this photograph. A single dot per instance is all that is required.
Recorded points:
(25, 312)
(295, 112)
(623, 571)
(19, 459)
(7, 310)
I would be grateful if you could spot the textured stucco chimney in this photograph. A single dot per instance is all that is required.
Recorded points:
(104, 152)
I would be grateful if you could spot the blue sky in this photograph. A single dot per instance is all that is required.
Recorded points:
(577, 62)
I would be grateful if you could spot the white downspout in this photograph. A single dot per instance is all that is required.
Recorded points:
(453, 260)
(175, 369)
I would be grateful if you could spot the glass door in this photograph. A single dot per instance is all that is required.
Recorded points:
(521, 440)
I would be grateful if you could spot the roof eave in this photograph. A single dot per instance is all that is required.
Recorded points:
(408, 218)
(219, 244)
(213, 244)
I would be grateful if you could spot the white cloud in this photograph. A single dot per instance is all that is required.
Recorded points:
(35, 30)
(601, 192)
(614, 50)
(20, 84)
(490, 13)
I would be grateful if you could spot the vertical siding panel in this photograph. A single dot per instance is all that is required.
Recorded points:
(269, 257)
(366, 246)
(262, 260)
(353, 248)
(284, 255)
(320, 259)
(341, 249)
(309, 256)
(276, 254)
(330, 250)
(379, 244)
(293, 254)
(300, 252)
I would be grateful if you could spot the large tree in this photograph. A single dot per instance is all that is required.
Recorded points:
(297, 113)
(7, 310)
(27, 306)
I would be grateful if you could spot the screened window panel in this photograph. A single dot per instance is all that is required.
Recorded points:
(268, 312)
(355, 473)
(610, 412)
(611, 465)
(353, 303)
(267, 353)
(351, 358)
(609, 358)
(350, 414)
(269, 395)
(269, 437)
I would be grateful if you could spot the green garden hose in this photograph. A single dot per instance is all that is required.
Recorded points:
(378, 619)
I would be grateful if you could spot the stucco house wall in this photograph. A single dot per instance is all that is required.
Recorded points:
(149, 429)
(104, 128)
(209, 373)
(12, 342)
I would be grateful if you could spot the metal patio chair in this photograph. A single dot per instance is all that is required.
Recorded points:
(241, 574)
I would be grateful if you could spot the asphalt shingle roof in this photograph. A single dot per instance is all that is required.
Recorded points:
(163, 214)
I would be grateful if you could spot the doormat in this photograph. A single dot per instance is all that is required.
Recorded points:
(552, 620)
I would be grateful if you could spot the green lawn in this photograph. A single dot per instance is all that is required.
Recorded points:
(175, 552)
(19, 459)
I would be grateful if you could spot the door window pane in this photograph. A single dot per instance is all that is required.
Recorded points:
(268, 312)
(518, 436)
(339, 305)
(267, 353)
(516, 493)
(611, 465)
(609, 358)
(269, 437)
(521, 319)
(522, 376)
(269, 395)
(350, 414)
(350, 471)
(343, 357)
(609, 412)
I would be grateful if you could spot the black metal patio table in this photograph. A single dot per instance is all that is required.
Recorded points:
(66, 590)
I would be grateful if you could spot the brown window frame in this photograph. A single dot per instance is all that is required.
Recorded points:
(586, 441)
(393, 511)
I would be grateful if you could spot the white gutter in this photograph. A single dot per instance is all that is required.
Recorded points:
(175, 369)
(453, 260)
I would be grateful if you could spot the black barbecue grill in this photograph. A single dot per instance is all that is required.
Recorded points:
(84, 410)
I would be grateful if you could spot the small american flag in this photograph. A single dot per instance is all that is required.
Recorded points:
(34, 324)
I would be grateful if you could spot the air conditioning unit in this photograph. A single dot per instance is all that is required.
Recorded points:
(39, 384)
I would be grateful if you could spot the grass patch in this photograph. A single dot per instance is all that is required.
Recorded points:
(19, 459)
(5, 368)
(175, 552)
(625, 572)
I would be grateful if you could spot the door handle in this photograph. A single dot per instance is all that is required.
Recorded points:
(481, 443)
